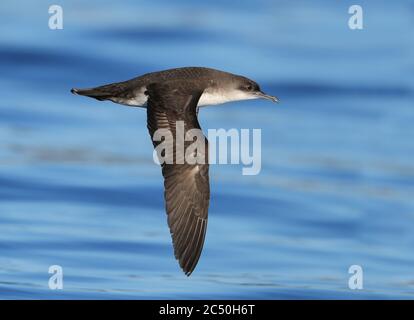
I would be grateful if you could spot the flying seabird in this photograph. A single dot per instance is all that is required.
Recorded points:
(170, 96)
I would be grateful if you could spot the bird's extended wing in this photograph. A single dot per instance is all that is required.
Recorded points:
(187, 190)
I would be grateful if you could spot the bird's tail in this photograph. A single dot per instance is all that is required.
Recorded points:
(99, 93)
(128, 93)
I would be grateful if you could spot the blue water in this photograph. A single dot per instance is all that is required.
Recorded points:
(79, 189)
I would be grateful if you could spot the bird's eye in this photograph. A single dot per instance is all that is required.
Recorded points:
(249, 87)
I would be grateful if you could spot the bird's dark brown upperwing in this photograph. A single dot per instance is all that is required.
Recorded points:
(187, 190)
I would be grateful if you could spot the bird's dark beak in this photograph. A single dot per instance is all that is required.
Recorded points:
(268, 97)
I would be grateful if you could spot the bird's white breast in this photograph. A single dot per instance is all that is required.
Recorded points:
(219, 96)
(211, 98)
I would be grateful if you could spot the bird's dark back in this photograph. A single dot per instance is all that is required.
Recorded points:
(185, 73)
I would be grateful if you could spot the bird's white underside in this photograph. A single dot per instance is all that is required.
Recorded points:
(212, 97)
(209, 97)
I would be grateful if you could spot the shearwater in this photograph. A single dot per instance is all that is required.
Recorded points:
(172, 96)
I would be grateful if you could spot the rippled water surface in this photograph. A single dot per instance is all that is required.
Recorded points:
(79, 189)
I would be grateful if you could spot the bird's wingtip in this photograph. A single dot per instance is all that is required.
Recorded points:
(74, 91)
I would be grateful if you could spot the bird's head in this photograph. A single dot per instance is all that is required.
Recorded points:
(230, 87)
(249, 89)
